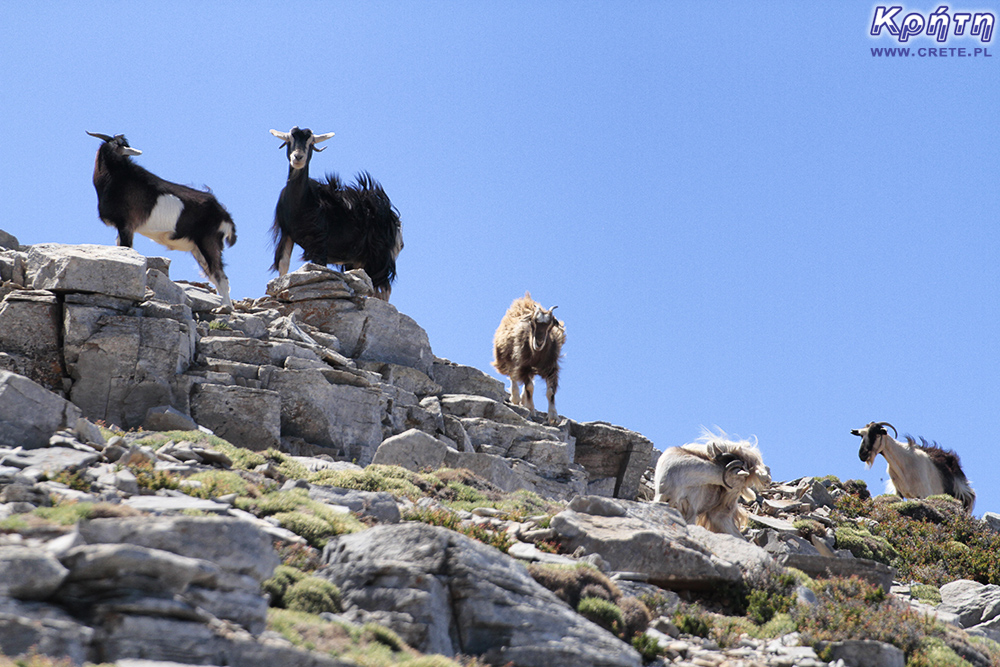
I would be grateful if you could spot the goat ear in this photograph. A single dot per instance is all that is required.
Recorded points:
(128, 150)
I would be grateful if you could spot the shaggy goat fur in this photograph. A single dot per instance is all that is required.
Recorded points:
(915, 470)
(351, 225)
(705, 480)
(527, 343)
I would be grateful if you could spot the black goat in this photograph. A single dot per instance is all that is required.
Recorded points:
(354, 226)
(181, 218)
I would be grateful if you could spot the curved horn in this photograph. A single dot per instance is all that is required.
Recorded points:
(319, 138)
(895, 433)
(102, 137)
(284, 136)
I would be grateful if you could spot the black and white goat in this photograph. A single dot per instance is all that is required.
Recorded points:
(527, 343)
(705, 480)
(915, 471)
(133, 200)
(354, 226)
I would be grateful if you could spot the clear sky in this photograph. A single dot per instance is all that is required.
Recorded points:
(746, 219)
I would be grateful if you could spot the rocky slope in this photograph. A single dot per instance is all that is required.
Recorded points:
(159, 460)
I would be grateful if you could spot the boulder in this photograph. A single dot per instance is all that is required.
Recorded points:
(29, 413)
(30, 330)
(445, 593)
(127, 366)
(863, 653)
(249, 418)
(413, 450)
(29, 574)
(332, 415)
(8, 241)
(972, 602)
(612, 452)
(458, 379)
(111, 270)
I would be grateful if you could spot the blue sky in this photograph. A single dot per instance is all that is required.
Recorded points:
(746, 219)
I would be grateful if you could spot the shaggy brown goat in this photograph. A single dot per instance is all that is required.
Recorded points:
(527, 343)
(705, 480)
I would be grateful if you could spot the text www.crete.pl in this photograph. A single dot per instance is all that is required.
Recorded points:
(931, 52)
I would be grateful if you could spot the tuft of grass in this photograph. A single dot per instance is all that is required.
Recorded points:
(934, 652)
(602, 612)
(243, 459)
(313, 595)
(283, 578)
(297, 512)
(215, 483)
(569, 582)
(863, 544)
(450, 520)
(926, 593)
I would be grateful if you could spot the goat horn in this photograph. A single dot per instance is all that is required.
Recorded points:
(317, 138)
(895, 433)
(318, 149)
(284, 136)
(102, 137)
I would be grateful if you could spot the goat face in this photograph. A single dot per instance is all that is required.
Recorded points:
(301, 144)
(871, 440)
(542, 322)
(117, 143)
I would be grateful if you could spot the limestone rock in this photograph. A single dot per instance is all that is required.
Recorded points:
(612, 452)
(29, 574)
(445, 593)
(246, 417)
(29, 413)
(458, 379)
(971, 601)
(863, 653)
(30, 328)
(111, 270)
(8, 241)
(127, 367)
(413, 450)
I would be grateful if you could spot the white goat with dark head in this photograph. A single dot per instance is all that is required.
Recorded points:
(354, 226)
(705, 480)
(527, 343)
(133, 200)
(915, 470)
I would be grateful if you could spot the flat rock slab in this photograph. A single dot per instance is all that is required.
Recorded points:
(51, 460)
(178, 505)
(110, 270)
(824, 566)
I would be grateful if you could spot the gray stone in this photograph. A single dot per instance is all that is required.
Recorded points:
(492, 468)
(233, 545)
(413, 450)
(165, 289)
(98, 568)
(202, 296)
(167, 418)
(12, 267)
(972, 602)
(175, 505)
(445, 593)
(29, 574)
(863, 653)
(378, 506)
(51, 460)
(249, 418)
(369, 330)
(127, 367)
(458, 379)
(652, 539)
(330, 415)
(30, 327)
(27, 627)
(29, 413)
(8, 241)
(403, 377)
(114, 271)
(89, 432)
(612, 451)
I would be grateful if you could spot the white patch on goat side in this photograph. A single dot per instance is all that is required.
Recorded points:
(162, 222)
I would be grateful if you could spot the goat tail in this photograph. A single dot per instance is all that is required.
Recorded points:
(965, 494)
(228, 228)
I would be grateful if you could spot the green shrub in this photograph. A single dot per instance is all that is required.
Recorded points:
(569, 581)
(647, 647)
(635, 616)
(863, 544)
(283, 578)
(215, 483)
(809, 527)
(692, 620)
(926, 593)
(603, 612)
(313, 595)
(450, 520)
(854, 609)
(294, 510)
(933, 652)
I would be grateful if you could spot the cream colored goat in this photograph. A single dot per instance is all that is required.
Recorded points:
(705, 480)
(915, 471)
